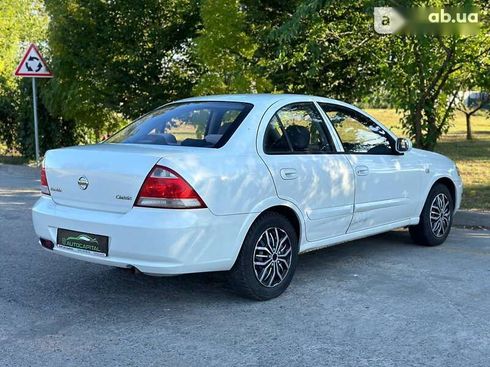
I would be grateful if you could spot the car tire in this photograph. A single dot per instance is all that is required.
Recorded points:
(267, 260)
(436, 218)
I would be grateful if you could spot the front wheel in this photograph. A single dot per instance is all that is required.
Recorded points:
(436, 218)
(268, 258)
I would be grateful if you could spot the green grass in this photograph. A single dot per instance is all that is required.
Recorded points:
(471, 156)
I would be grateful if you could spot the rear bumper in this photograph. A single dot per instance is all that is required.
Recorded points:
(155, 241)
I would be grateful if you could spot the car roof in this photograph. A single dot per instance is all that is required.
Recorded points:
(265, 98)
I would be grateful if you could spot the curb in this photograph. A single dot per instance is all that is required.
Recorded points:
(472, 219)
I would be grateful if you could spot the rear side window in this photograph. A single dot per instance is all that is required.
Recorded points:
(198, 124)
(297, 128)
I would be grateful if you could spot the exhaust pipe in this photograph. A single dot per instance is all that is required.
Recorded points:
(46, 243)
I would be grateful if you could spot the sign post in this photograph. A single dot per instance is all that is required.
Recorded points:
(34, 106)
(34, 66)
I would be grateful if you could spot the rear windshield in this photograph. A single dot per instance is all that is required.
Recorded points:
(195, 124)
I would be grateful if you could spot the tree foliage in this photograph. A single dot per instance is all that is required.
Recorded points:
(473, 82)
(327, 48)
(226, 52)
(21, 22)
(421, 72)
(115, 60)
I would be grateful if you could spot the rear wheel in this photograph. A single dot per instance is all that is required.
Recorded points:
(436, 218)
(268, 258)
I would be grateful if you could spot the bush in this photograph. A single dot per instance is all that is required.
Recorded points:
(17, 124)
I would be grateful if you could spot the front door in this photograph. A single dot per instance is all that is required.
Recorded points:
(296, 146)
(386, 181)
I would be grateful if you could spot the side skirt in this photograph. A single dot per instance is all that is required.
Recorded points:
(311, 246)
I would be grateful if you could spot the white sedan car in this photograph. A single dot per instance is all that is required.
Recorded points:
(241, 183)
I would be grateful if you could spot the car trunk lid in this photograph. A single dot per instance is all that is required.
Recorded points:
(104, 177)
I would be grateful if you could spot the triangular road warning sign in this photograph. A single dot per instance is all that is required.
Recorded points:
(33, 65)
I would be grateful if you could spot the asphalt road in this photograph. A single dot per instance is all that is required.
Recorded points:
(375, 302)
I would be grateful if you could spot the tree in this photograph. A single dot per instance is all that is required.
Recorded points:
(115, 60)
(421, 71)
(418, 71)
(22, 22)
(473, 82)
(226, 52)
(327, 48)
(54, 131)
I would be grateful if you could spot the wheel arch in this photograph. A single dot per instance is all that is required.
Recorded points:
(451, 186)
(289, 213)
(289, 210)
(444, 180)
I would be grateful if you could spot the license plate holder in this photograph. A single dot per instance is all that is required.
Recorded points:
(89, 243)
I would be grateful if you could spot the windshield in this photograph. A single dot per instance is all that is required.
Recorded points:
(197, 124)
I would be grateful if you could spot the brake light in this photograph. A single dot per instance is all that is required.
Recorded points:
(44, 181)
(164, 188)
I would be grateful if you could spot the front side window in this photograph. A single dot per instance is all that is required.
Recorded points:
(198, 124)
(357, 133)
(297, 128)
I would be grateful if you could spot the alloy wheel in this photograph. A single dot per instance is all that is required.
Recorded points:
(272, 257)
(440, 215)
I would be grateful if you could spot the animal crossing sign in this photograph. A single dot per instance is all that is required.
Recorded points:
(33, 65)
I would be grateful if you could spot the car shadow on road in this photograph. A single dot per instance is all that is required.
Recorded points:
(106, 289)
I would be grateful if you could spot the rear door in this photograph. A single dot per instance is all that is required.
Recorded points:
(296, 146)
(386, 182)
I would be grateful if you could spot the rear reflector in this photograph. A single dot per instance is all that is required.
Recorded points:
(164, 188)
(44, 181)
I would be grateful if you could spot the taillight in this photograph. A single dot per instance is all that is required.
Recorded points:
(44, 181)
(164, 188)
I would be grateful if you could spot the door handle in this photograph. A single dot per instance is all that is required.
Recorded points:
(362, 170)
(289, 173)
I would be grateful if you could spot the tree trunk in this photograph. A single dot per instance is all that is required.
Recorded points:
(417, 121)
(431, 137)
(469, 133)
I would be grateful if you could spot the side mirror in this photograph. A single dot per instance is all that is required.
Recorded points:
(403, 145)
